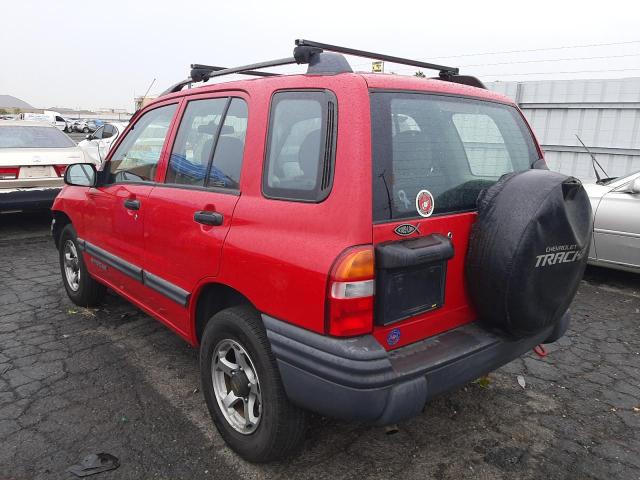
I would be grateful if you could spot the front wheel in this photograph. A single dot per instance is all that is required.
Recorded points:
(85, 130)
(242, 387)
(83, 290)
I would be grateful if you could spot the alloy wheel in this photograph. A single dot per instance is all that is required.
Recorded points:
(71, 265)
(236, 386)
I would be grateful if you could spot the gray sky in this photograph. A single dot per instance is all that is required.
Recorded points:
(98, 54)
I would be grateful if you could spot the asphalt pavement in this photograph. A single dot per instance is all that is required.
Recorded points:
(77, 381)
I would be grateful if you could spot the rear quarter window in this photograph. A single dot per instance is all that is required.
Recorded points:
(300, 153)
(451, 146)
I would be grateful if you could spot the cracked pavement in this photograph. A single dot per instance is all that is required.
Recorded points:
(75, 381)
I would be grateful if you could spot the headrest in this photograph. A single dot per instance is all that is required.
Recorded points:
(212, 127)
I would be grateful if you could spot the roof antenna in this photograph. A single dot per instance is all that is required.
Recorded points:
(594, 162)
(145, 94)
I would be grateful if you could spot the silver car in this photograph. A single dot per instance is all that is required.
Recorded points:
(616, 226)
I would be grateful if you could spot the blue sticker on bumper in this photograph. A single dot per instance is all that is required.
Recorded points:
(394, 336)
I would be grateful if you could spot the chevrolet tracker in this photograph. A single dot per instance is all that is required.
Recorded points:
(342, 243)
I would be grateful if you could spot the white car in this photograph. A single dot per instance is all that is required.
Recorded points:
(68, 125)
(616, 222)
(33, 159)
(97, 144)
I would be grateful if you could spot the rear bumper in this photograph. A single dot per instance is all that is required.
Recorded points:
(27, 198)
(357, 379)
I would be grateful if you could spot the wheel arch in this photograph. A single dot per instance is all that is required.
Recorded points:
(61, 220)
(211, 298)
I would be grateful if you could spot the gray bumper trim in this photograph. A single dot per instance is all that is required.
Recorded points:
(356, 379)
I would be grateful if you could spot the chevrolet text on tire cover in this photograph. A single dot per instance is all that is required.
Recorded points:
(348, 244)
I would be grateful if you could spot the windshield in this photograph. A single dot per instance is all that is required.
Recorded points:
(622, 178)
(33, 137)
(452, 147)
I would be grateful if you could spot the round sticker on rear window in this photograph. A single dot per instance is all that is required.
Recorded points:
(424, 203)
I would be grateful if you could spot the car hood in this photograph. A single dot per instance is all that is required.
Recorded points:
(596, 191)
(40, 156)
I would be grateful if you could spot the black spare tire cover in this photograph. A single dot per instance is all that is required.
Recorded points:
(528, 250)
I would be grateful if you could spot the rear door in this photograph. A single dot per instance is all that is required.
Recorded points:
(432, 155)
(191, 208)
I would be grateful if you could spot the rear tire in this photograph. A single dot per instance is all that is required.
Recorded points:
(236, 337)
(82, 289)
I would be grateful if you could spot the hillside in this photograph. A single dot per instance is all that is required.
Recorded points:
(9, 101)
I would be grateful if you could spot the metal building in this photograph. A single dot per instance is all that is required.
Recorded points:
(604, 113)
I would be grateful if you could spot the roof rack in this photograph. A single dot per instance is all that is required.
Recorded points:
(322, 58)
(444, 70)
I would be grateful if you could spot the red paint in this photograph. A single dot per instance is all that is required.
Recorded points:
(276, 253)
(456, 310)
(540, 350)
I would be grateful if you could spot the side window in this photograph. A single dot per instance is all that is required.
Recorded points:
(483, 143)
(193, 147)
(98, 134)
(137, 156)
(301, 146)
(107, 131)
(59, 119)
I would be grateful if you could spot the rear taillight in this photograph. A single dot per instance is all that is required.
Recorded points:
(60, 169)
(9, 173)
(350, 293)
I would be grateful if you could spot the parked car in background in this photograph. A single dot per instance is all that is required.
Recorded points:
(68, 125)
(81, 125)
(94, 124)
(33, 159)
(97, 144)
(616, 228)
(87, 125)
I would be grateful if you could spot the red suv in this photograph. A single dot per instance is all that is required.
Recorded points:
(344, 243)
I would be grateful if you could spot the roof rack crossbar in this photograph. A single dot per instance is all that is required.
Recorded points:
(253, 66)
(443, 69)
(201, 73)
(211, 68)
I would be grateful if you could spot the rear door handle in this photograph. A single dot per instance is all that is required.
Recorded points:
(207, 217)
(132, 204)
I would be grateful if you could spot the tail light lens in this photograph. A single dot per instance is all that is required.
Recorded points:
(350, 293)
(60, 169)
(9, 173)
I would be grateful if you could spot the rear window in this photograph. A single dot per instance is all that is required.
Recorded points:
(450, 146)
(33, 137)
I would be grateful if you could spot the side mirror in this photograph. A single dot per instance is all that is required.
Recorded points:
(635, 186)
(89, 137)
(81, 175)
